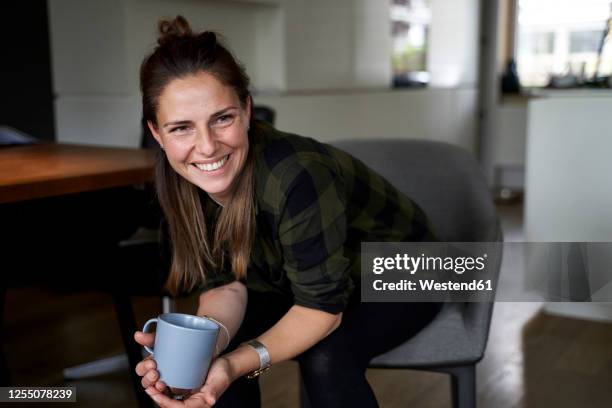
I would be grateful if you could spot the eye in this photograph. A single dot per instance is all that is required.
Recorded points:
(179, 129)
(224, 119)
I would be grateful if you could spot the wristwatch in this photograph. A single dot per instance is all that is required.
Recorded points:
(264, 357)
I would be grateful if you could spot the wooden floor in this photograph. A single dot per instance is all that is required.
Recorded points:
(532, 360)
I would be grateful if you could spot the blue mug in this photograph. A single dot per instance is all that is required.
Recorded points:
(184, 348)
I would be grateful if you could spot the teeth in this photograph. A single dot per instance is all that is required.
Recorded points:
(212, 166)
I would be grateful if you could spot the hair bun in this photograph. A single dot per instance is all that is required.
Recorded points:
(171, 30)
(207, 41)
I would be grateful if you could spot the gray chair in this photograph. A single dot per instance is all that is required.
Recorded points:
(448, 184)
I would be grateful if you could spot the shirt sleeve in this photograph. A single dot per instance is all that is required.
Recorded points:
(312, 232)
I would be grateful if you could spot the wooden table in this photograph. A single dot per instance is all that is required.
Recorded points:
(46, 170)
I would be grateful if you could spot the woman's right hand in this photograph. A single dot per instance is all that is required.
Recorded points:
(147, 368)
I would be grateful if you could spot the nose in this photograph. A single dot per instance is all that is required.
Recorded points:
(206, 142)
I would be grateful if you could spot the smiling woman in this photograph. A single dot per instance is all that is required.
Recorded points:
(204, 132)
(268, 226)
(197, 106)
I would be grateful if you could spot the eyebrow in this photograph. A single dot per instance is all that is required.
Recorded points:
(179, 122)
(213, 116)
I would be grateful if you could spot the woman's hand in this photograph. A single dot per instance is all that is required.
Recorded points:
(147, 367)
(219, 378)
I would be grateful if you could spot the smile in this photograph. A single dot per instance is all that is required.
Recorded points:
(212, 166)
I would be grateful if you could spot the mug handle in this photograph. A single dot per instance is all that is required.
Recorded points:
(144, 330)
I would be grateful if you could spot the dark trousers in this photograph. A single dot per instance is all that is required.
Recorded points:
(333, 370)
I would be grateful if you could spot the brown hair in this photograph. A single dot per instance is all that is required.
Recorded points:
(196, 251)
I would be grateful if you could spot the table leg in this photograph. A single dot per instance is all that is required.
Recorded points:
(5, 378)
(127, 323)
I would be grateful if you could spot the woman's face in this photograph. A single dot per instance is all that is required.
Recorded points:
(202, 127)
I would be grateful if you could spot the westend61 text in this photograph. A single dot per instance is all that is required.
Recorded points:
(430, 284)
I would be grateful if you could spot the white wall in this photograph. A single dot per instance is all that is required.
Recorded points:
(435, 114)
(507, 144)
(319, 44)
(511, 130)
(372, 44)
(452, 54)
(338, 44)
(112, 120)
(568, 183)
(270, 50)
(234, 21)
(333, 47)
(91, 79)
(97, 48)
(86, 31)
(344, 44)
(288, 46)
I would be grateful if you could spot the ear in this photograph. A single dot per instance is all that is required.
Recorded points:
(155, 133)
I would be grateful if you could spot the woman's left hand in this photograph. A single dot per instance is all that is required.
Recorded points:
(218, 379)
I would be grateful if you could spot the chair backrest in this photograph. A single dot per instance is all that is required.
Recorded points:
(448, 184)
(445, 180)
(264, 113)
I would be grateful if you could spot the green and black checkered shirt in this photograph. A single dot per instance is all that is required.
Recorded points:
(315, 204)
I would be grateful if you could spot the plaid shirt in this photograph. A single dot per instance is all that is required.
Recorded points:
(314, 206)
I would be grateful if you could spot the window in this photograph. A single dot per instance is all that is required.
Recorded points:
(557, 38)
(585, 41)
(538, 43)
(410, 21)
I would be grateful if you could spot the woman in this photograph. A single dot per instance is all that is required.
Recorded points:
(268, 226)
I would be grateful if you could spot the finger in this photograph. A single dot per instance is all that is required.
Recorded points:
(149, 378)
(144, 339)
(163, 400)
(145, 366)
(162, 387)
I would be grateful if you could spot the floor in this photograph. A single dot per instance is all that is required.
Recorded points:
(532, 359)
